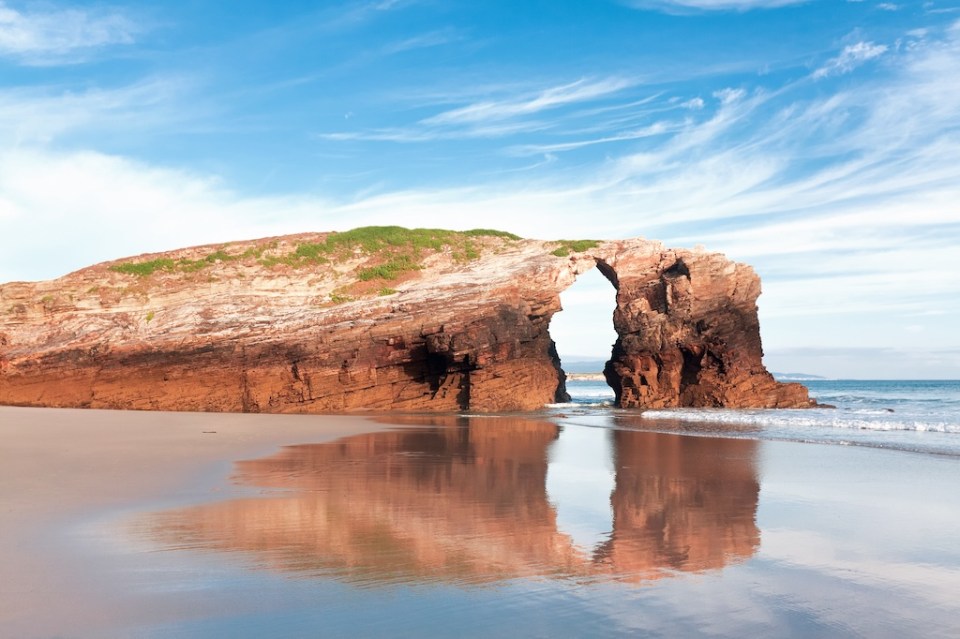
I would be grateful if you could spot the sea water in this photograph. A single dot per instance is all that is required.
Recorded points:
(913, 415)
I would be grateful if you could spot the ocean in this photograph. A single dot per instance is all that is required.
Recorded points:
(912, 415)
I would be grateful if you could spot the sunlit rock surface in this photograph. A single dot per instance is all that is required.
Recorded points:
(273, 325)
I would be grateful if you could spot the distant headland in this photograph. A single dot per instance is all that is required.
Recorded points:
(380, 319)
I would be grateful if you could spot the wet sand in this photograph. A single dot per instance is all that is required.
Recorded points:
(61, 469)
(124, 524)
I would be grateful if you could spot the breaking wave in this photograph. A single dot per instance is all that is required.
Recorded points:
(917, 416)
(862, 419)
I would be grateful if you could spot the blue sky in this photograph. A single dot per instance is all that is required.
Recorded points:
(818, 141)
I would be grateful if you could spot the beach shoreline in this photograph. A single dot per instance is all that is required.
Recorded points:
(72, 481)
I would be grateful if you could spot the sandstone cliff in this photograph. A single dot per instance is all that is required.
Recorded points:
(380, 318)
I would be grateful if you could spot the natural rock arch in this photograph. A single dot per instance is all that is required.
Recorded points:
(453, 336)
(688, 333)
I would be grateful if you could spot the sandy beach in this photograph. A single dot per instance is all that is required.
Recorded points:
(60, 468)
(127, 524)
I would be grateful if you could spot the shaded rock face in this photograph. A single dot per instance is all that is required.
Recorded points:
(249, 335)
(688, 334)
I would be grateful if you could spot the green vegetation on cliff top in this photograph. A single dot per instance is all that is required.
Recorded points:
(574, 246)
(395, 249)
(401, 249)
(144, 269)
(184, 265)
(373, 239)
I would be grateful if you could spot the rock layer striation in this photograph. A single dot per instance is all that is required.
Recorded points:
(460, 323)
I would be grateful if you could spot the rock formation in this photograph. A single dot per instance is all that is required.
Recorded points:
(381, 318)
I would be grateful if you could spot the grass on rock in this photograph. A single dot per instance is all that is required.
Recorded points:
(145, 269)
(574, 246)
(400, 248)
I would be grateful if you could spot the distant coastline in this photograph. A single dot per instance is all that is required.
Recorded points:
(795, 377)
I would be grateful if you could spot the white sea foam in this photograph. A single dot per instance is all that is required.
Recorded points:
(917, 416)
(583, 404)
(858, 419)
(592, 392)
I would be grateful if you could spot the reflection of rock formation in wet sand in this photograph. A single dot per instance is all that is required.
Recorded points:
(465, 501)
(681, 502)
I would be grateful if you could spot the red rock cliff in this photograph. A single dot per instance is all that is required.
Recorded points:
(459, 322)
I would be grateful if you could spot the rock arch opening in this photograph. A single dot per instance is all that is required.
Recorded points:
(584, 335)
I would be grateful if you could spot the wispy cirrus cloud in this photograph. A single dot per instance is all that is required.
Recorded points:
(430, 134)
(551, 98)
(655, 129)
(423, 41)
(489, 118)
(851, 57)
(686, 6)
(40, 115)
(61, 36)
(350, 15)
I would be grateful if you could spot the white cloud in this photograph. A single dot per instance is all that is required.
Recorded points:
(31, 115)
(728, 95)
(493, 118)
(551, 98)
(850, 58)
(429, 134)
(60, 36)
(680, 6)
(655, 129)
(84, 207)
(423, 41)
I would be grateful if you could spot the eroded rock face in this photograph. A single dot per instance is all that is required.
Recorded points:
(248, 334)
(689, 334)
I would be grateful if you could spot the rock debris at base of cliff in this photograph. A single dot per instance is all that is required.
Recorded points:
(381, 319)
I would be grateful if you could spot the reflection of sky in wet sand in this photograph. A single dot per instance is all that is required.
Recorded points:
(475, 500)
(580, 481)
(836, 541)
